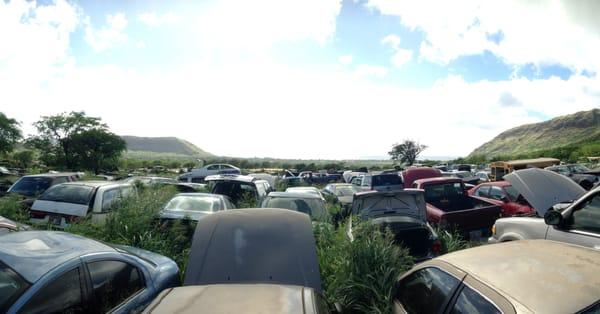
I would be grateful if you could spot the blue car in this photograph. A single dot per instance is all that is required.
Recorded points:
(57, 272)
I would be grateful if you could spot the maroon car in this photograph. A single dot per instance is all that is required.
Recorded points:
(450, 207)
(504, 195)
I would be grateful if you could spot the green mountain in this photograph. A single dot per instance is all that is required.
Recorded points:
(161, 148)
(570, 132)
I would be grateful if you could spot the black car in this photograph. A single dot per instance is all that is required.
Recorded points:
(32, 186)
(237, 187)
(583, 176)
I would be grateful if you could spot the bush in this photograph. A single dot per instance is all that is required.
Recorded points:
(451, 241)
(11, 208)
(360, 275)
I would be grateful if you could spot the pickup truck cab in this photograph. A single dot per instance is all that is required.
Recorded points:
(65, 202)
(384, 181)
(450, 207)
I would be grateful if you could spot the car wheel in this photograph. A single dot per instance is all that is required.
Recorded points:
(587, 185)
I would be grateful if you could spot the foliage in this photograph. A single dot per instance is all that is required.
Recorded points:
(55, 136)
(360, 275)
(451, 241)
(97, 149)
(11, 208)
(406, 152)
(23, 159)
(10, 134)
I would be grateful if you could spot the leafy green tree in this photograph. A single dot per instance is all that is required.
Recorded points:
(406, 152)
(55, 136)
(97, 149)
(10, 134)
(23, 158)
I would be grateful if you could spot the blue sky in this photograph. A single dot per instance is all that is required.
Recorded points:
(302, 73)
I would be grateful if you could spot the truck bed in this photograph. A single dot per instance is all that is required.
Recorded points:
(470, 216)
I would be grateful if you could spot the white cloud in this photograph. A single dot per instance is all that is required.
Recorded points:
(367, 70)
(109, 35)
(255, 25)
(153, 19)
(345, 59)
(537, 32)
(140, 44)
(401, 56)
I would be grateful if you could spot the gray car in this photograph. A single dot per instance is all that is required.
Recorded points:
(307, 203)
(198, 175)
(195, 205)
(577, 221)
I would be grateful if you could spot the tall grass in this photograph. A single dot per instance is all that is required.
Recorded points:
(360, 275)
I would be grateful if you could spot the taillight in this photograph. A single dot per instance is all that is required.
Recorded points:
(436, 247)
(36, 214)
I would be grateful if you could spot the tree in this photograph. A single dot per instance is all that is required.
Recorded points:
(97, 149)
(23, 158)
(10, 134)
(55, 136)
(406, 152)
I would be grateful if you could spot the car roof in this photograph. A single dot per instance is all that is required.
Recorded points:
(199, 195)
(294, 195)
(247, 298)
(544, 276)
(230, 177)
(51, 175)
(340, 184)
(96, 183)
(306, 188)
(497, 183)
(256, 245)
(34, 253)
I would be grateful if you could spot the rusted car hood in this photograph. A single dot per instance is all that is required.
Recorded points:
(544, 188)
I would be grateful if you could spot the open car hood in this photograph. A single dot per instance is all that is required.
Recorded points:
(544, 188)
(245, 246)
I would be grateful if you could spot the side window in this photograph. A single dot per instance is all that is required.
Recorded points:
(483, 191)
(496, 193)
(127, 191)
(366, 181)
(469, 301)
(587, 217)
(260, 188)
(426, 290)
(213, 167)
(108, 198)
(63, 295)
(197, 180)
(225, 167)
(113, 282)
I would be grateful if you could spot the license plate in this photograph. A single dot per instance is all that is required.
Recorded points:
(475, 235)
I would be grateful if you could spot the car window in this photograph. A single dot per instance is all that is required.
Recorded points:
(197, 180)
(260, 188)
(483, 191)
(193, 203)
(496, 193)
(67, 193)
(226, 167)
(60, 180)
(366, 181)
(469, 301)
(387, 179)
(127, 191)
(31, 186)
(587, 217)
(426, 290)
(62, 295)
(113, 282)
(213, 167)
(11, 286)
(314, 207)
(109, 197)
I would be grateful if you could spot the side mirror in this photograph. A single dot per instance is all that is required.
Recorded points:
(553, 218)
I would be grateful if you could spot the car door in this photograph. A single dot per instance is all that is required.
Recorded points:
(474, 297)
(103, 206)
(426, 290)
(117, 285)
(64, 293)
(582, 226)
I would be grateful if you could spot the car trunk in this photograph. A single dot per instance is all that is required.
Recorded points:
(410, 233)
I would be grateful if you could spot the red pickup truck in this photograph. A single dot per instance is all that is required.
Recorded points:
(451, 208)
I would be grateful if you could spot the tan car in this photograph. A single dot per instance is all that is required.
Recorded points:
(527, 276)
(239, 298)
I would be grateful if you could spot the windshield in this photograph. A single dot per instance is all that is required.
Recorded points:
(67, 193)
(513, 195)
(31, 186)
(315, 208)
(194, 203)
(11, 287)
(386, 179)
(579, 168)
(346, 190)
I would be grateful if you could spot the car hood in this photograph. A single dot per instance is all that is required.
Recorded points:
(544, 188)
(180, 214)
(373, 204)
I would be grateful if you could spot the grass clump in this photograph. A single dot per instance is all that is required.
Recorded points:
(360, 275)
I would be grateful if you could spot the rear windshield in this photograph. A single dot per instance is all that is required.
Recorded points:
(194, 203)
(348, 190)
(386, 179)
(11, 287)
(66, 193)
(31, 186)
(315, 208)
(440, 191)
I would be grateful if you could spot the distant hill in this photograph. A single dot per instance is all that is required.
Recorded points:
(570, 131)
(159, 147)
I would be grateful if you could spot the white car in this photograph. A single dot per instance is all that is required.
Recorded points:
(66, 202)
(305, 189)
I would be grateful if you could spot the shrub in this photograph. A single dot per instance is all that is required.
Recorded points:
(451, 241)
(360, 275)
(11, 208)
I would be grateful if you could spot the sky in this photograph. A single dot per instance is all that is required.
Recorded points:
(324, 79)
